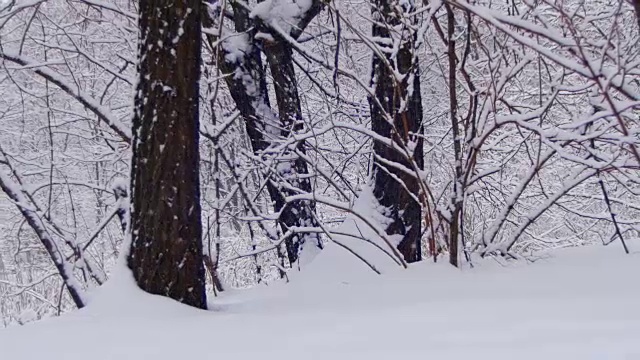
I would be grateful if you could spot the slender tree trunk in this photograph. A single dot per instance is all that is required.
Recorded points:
(457, 194)
(122, 203)
(403, 210)
(636, 7)
(298, 213)
(248, 88)
(166, 230)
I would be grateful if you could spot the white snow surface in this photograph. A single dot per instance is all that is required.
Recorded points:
(579, 303)
(284, 13)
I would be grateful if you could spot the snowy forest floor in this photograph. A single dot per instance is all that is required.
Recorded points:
(577, 303)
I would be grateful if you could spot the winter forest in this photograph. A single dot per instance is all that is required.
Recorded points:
(209, 146)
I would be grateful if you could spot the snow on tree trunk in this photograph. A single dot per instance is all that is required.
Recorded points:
(298, 213)
(166, 249)
(396, 113)
(266, 129)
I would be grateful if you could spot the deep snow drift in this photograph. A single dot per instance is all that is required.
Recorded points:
(580, 303)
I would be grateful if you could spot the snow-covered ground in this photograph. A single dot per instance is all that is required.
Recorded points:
(580, 303)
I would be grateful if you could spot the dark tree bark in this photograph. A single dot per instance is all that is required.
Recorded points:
(636, 8)
(403, 210)
(166, 230)
(265, 127)
(456, 197)
(247, 85)
(122, 202)
(298, 213)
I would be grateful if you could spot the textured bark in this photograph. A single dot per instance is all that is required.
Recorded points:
(248, 88)
(402, 209)
(166, 230)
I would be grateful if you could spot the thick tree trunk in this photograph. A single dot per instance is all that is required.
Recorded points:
(403, 210)
(166, 249)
